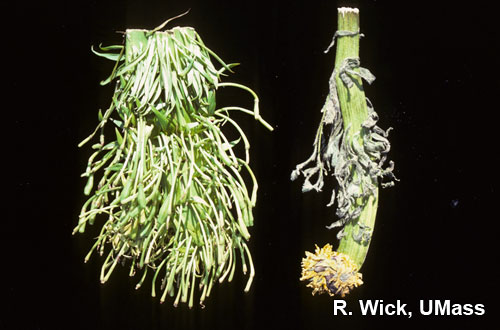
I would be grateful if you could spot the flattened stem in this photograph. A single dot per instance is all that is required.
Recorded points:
(354, 112)
(135, 41)
(352, 100)
(357, 250)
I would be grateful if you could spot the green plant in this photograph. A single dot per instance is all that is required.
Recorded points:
(170, 183)
(352, 148)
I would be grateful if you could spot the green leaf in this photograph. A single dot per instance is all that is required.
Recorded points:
(141, 197)
(125, 68)
(211, 102)
(188, 67)
(115, 167)
(162, 120)
(119, 137)
(193, 227)
(192, 125)
(89, 185)
(229, 145)
(111, 47)
(110, 56)
(118, 123)
(178, 37)
(198, 199)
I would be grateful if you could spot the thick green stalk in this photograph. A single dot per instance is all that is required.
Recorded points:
(354, 112)
(352, 100)
(351, 147)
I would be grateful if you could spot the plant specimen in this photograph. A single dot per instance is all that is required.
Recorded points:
(351, 147)
(170, 182)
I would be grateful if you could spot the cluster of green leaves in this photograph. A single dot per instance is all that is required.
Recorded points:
(170, 182)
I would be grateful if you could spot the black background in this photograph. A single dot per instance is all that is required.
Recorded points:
(436, 85)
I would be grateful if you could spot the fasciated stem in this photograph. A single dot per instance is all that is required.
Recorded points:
(353, 105)
(171, 188)
(352, 148)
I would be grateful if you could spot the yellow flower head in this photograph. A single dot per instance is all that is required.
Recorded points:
(330, 271)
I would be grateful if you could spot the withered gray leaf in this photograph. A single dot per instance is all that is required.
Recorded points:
(357, 164)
